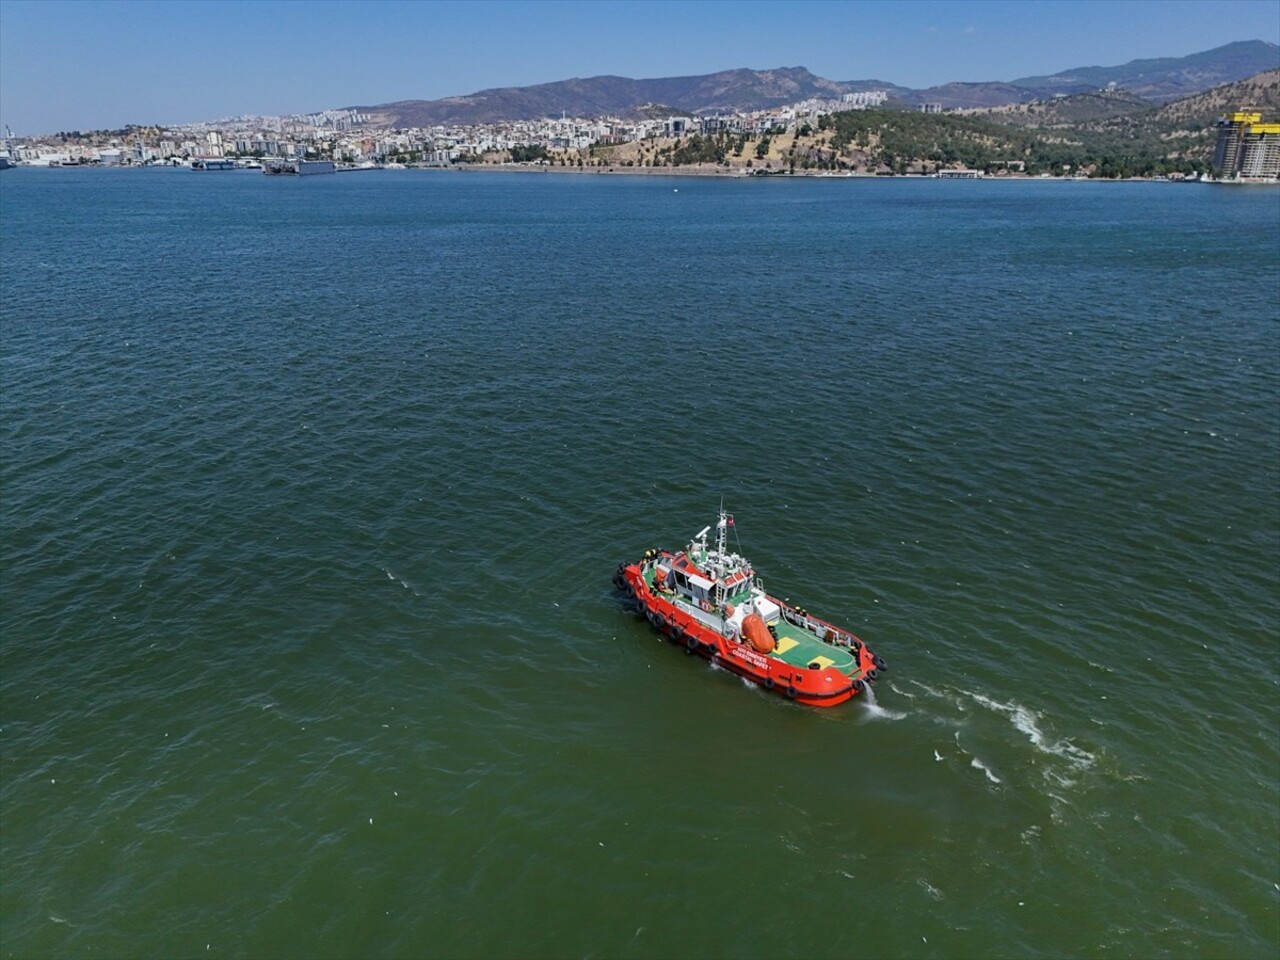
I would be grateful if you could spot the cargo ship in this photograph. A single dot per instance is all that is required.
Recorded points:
(710, 601)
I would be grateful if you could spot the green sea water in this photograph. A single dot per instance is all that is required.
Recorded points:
(311, 491)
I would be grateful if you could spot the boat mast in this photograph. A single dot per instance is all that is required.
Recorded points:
(720, 567)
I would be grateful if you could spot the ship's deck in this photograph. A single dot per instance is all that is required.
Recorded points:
(799, 648)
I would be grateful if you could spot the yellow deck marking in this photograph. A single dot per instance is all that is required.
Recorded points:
(784, 644)
(823, 662)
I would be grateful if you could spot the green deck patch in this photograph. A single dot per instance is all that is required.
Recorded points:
(799, 649)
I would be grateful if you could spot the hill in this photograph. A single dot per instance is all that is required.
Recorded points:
(1102, 133)
(1166, 78)
(1119, 122)
(1261, 92)
(726, 91)
(729, 91)
(961, 96)
(1069, 112)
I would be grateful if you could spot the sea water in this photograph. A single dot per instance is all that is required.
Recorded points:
(311, 492)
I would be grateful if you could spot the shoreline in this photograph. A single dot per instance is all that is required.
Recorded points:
(678, 172)
(785, 175)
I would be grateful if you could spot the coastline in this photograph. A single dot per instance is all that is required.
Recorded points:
(740, 174)
(680, 172)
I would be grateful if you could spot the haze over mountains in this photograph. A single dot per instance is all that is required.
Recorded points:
(1156, 80)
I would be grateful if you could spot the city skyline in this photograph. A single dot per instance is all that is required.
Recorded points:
(73, 65)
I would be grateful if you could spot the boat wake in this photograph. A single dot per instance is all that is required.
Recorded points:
(404, 583)
(873, 709)
(1027, 721)
(982, 721)
(977, 764)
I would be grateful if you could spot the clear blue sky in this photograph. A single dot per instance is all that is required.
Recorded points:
(68, 64)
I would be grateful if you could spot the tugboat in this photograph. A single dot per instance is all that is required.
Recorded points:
(710, 601)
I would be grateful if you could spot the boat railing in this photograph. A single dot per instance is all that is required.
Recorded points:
(824, 631)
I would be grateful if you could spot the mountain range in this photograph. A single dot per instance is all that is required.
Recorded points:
(1154, 80)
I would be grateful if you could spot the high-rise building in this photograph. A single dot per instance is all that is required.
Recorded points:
(1247, 148)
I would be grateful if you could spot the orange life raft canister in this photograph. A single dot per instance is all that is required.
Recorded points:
(754, 629)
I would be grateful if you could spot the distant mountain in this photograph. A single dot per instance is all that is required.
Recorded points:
(1068, 112)
(964, 96)
(727, 91)
(743, 90)
(1157, 81)
(1166, 78)
(1120, 110)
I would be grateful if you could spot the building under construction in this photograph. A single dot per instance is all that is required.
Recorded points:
(1247, 149)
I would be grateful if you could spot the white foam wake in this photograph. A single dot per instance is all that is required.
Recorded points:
(404, 583)
(1027, 721)
(979, 765)
(873, 708)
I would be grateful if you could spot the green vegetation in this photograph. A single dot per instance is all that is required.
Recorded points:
(528, 154)
(699, 149)
(901, 141)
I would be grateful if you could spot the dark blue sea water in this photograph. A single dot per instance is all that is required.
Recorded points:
(311, 491)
